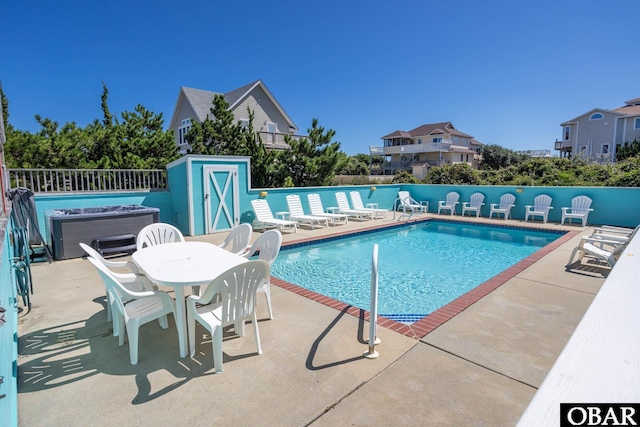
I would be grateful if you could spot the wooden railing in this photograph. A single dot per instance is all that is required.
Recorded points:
(87, 180)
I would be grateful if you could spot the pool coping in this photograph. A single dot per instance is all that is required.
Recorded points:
(432, 321)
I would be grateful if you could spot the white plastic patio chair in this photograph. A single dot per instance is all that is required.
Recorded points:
(541, 207)
(131, 280)
(580, 208)
(475, 203)
(345, 209)
(236, 288)
(158, 233)
(315, 204)
(356, 201)
(268, 247)
(297, 213)
(141, 307)
(450, 203)
(407, 202)
(237, 241)
(265, 218)
(504, 207)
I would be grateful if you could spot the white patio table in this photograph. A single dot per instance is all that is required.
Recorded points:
(183, 264)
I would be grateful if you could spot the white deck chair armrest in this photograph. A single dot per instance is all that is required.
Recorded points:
(609, 230)
(595, 240)
(144, 294)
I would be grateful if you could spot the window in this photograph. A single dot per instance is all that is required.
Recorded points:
(596, 116)
(271, 127)
(461, 157)
(419, 140)
(182, 131)
(244, 123)
(605, 149)
(567, 132)
(636, 123)
(436, 140)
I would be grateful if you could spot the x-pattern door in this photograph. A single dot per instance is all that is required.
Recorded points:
(221, 197)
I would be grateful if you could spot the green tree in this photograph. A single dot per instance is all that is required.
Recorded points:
(312, 160)
(628, 149)
(355, 165)
(263, 167)
(404, 177)
(496, 157)
(139, 142)
(4, 104)
(218, 134)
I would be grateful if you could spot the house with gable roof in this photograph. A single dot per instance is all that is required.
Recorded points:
(270, 120)
(597, 134)
(428, 145)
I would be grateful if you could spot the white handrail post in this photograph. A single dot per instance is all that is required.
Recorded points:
(371, 353)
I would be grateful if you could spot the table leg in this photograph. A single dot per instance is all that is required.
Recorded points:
(181, 320)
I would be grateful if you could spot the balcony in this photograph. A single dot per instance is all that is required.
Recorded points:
(413, 148)
(563, 145)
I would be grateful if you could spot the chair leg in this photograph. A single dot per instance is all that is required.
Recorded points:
(216, 342)
(132, 334)
(164, 323)
(108, 300)
(256, 332)
(121, 329)
(267, 294)
(573, 254)
(191, 329)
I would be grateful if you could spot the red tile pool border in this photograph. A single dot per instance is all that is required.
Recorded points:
(427, 324)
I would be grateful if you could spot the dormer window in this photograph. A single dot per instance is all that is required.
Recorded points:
(182, 131)
(596, 116)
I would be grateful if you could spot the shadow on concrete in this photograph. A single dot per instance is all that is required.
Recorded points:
(316, 344)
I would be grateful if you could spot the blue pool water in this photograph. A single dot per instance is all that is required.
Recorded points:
(422, 267)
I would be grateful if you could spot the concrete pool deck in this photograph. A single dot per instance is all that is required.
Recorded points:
(480, 367)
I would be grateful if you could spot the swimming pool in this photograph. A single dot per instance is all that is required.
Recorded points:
(422, 266)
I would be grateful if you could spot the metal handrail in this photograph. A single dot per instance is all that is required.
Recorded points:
(404, 209)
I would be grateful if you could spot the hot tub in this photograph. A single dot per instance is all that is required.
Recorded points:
(66, 228)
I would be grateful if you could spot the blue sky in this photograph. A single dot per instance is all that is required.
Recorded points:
(506, 72)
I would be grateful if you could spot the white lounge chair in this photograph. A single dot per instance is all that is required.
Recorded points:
(268, 247)
(237, 241)
(407, 202)
(541, 207)
(605, 250)
(142, 307)
(356, 201)
(236, 288)
(450, 203)
(475, 203)
(315, 204)
(297, 213)
(504, 207)
(158, 233)
(580, 208)
(264, 217)
(344, 208)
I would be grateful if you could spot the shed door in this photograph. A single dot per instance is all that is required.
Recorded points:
(221, 205)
